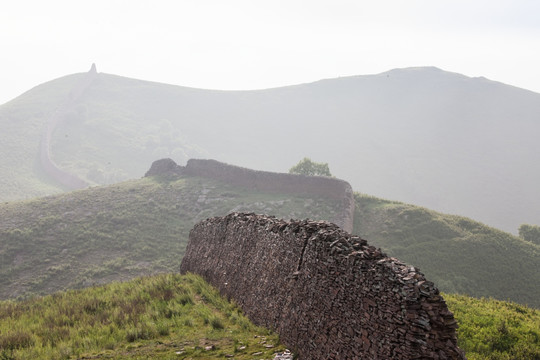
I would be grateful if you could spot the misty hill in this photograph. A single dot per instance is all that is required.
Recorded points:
(420, 135)
(140, 227)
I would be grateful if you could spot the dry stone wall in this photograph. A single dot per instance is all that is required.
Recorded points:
(331, 188)
(327, 293)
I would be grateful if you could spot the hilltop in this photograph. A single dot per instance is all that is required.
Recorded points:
(419, 135)
(140, 227)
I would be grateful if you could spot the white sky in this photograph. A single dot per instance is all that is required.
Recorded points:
(249, 44)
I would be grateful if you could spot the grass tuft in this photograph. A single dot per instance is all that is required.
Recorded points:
(216, 323)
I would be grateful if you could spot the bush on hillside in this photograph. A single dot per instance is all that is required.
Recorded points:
(530, 233)
(310, 168)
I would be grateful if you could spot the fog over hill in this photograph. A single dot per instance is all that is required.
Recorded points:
(456, 144)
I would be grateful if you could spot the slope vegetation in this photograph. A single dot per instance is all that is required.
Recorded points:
(162, 317)
(122, 231)
(495, 330)
(458, 254)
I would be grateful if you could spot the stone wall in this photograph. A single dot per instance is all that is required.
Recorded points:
(327, 293)
(57, 118)
(331, 188)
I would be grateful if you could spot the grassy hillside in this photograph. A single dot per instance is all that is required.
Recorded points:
(496, 330)
(121, 231)
(162, 317)
(458, 254)
(181, 317)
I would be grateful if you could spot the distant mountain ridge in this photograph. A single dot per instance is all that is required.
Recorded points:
(419, 135)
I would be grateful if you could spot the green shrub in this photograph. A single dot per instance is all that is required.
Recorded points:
(530, 233)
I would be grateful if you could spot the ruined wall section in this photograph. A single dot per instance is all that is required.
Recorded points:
(56, 119)
(327, 293)
(328, 187)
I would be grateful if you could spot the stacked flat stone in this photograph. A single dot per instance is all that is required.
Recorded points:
(327, 293)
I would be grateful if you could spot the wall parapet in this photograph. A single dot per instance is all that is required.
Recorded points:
(328, 294)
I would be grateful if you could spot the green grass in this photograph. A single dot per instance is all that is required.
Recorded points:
(170, 316)
(121, 231)
(161, 317)
(496, 330)
(458, 254)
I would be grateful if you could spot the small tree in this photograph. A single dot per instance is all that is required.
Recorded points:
(310, 168)
(530, 233)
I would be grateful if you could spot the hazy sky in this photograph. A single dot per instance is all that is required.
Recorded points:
(248, 44)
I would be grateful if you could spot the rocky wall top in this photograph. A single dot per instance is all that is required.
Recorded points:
(327, 293)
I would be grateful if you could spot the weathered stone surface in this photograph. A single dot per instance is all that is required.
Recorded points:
(327, 293)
